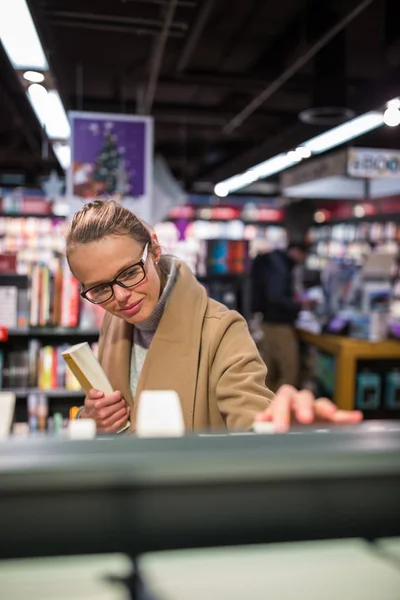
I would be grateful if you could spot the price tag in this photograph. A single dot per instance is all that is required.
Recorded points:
(3, 334)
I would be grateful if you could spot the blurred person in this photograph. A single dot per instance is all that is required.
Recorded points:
(274, 279)
(162, 332)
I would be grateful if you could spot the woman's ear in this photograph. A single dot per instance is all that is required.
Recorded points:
(155, 248)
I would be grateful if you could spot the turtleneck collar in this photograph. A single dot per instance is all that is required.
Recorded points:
(151, 324)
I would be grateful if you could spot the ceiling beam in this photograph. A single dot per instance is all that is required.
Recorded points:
(195, 33)
(284, 46)
(293, 68)
(184, 113)
(181, 3)
(128, 29)
(241, 31)
(157, 56)
(113, 19)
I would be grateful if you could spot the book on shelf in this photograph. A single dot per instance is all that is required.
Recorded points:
(223, 257)
(50, 297)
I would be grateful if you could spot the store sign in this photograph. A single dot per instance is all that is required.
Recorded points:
(315, 169)
(371, 163)
(112, 157)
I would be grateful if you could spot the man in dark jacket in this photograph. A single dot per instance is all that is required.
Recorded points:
(274, 297)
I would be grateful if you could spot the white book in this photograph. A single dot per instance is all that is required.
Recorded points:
(86, 368)
(88, 371)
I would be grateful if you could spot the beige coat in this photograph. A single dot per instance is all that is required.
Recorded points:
(202, 350)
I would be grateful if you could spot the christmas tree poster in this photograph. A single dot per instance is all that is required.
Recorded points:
(111, 156)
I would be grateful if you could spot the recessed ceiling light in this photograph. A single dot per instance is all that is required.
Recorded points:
(391, 117)
(34, 76)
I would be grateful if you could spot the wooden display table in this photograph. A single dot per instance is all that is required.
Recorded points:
(348, 353)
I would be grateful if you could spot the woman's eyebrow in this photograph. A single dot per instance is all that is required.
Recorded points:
(90, 285)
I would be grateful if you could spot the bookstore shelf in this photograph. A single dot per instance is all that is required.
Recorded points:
(22, 393)
(53, 332)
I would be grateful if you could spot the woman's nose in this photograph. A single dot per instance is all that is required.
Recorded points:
(120, 293)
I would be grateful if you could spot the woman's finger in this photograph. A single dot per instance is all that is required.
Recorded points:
(114, 418)
(282, 408)
(304, 409)
(347, 416)
(325, 409)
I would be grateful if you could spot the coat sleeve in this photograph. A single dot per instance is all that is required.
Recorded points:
(237, 374)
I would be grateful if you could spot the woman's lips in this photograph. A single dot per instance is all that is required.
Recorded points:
(132, 309)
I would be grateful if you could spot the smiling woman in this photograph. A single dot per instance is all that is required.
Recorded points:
(162, 332)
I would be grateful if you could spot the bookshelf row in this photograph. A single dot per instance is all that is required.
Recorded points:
(36, 365)
(48, 297)
(60, 394)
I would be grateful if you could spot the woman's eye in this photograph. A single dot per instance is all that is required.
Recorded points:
(100, 290)
(131, 274)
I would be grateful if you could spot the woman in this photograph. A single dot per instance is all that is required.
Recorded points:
(162, 332)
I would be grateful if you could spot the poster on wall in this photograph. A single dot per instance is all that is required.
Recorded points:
(112, 157)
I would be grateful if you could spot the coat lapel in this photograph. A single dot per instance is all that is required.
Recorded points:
(117, 356)
(173, 357)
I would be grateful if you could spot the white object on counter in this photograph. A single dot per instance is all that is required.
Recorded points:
(7, 407)
(159, 414)
(82, 429)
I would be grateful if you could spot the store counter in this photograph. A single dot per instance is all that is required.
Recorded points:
(217, 516)
(136, 496)
(357, 373)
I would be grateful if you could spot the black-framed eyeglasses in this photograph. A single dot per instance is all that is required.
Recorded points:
(128, 278)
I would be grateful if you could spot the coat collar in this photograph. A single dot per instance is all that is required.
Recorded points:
(172, 359)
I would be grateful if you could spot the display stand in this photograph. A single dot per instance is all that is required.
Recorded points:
(346, 358)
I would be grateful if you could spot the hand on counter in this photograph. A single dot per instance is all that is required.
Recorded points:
(290, 405)
(109, 411)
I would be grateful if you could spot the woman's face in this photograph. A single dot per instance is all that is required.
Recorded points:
(101, 262)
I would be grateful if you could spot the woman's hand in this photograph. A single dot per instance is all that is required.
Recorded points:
(109, 411)
(291, 405)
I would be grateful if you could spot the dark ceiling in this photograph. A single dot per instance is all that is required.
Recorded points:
(196, 64)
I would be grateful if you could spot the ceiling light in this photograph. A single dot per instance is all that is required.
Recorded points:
(50, 111)
(294, 155)
(395, 103)
(19, 36)
(303, 152)
(330, 139)
(63, 153)
(344, 133)
(391, 117)
(57, 123)
(37, 95)
(265, 169)
(221, 190)
(33, 76)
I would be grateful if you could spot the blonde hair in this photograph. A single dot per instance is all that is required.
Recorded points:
(100, 219)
